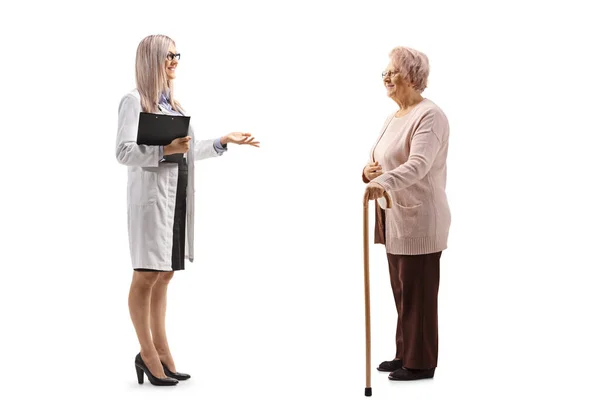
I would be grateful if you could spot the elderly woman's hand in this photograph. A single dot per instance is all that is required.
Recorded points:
(240, 138)
(372, 170)
(373, 191)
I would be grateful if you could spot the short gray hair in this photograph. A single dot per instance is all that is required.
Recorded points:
(412, 65)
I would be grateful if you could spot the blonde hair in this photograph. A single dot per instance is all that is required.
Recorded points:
(150, 74)
(412, 65)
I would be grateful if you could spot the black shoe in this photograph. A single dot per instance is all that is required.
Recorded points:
(404, 374)
(389, 366)
(140, 368)
(177, 375)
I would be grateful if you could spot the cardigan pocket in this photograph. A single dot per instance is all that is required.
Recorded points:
(406, 199)
(412, 222)
(143, 186)
(408, 207)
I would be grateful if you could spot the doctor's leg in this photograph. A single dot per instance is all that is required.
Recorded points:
(158, 310)
(139, 310)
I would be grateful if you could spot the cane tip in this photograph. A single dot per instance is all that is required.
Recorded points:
(368, 392)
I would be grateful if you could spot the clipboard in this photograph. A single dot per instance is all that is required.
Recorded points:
(161, 129)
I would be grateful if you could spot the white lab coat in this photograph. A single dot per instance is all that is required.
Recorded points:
(151, 190)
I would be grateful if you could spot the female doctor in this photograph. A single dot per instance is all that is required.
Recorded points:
(160, 202)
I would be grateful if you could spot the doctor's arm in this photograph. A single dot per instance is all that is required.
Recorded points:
(208, 148)
(128, 152)
(216, 147)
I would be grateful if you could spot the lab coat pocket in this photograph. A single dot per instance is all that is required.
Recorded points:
(143, 188)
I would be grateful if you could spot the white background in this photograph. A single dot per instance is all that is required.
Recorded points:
(272, 307)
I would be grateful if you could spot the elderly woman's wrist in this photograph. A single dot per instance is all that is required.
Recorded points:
(381, 181)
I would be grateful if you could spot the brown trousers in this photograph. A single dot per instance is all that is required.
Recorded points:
(415, 281)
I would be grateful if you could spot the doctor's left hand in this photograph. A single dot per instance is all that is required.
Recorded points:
(373, 191)
(240, 138)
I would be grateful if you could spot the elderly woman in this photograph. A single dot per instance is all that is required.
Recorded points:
(408, 161)
(160, 202)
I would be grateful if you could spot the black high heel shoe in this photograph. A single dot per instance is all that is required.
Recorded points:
(177, 375)
(140, 368)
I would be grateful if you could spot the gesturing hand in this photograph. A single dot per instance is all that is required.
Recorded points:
(372, 170)
(178, 146)
(240, 138)
(373, 191)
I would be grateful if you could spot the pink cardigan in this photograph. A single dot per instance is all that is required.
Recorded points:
(414, 174)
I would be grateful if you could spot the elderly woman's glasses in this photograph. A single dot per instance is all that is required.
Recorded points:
(172, 56)
(384, 74)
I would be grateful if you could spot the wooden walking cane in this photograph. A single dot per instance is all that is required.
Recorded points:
(388, 204)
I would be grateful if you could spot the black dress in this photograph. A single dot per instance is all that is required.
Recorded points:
(178, 250)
